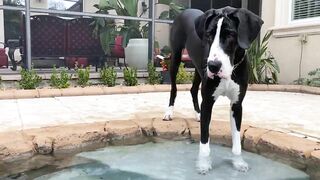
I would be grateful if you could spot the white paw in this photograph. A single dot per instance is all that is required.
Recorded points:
(239, 164)
(169, 113)
(204, 164)
(197, 115)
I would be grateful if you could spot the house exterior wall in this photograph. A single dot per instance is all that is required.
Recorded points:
(285, 44)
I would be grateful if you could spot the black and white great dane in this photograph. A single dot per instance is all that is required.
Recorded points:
(216, 41)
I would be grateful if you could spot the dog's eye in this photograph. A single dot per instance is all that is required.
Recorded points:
(232, 34)
(209, 37)
(229, 33)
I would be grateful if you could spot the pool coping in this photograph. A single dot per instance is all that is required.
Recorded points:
(104, 90)
(23, 147)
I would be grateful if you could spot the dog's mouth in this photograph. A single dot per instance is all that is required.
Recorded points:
(218, 74)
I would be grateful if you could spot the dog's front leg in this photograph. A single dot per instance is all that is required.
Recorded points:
(235, 120)
(204, 159)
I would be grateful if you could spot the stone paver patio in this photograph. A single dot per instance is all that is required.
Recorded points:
(288, 112)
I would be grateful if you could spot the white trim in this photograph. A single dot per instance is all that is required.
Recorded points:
(290, 11)
(293, 30)
(299, 21)
(304, 21)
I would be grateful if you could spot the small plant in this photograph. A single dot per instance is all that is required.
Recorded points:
(29, 79)
(263, 67)
(108, 76)
(130, 76)
(312, 80)
(154, 76)
(183, 77)
(61, 81)
(83, 75)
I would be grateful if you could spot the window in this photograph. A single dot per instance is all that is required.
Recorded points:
(70, 5)
(304, 9)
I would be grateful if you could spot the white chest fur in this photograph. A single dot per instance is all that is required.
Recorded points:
(229, 88)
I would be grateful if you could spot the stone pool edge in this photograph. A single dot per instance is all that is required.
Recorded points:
(103, 90)
(24, 146)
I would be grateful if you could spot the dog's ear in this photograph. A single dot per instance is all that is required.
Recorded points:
(248, 28)
(208, 25)
(205, 25)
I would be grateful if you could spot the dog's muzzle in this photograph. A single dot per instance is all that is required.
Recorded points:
(214, 68)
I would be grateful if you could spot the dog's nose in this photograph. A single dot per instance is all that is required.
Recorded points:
(214, 66)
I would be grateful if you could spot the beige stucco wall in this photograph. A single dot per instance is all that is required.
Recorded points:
(285, 44)
(268, 15)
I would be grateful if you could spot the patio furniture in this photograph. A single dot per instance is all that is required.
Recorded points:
(3, 57)
(61, 40)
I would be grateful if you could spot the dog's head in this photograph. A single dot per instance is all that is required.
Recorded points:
(225, 31)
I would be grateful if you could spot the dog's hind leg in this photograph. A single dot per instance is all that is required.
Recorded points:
(177, 41)
(194, 93)
(235, 121)
(174, 67)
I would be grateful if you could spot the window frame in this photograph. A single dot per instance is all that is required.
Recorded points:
(299, 21)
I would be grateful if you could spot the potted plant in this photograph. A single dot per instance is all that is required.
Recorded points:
(263, 68)
(128, 30)
(132, 31)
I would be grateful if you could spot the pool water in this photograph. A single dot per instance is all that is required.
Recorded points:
(165, 160)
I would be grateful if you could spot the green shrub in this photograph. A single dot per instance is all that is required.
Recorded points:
(29, 79)
(83, 75)
(312, 80)
(61, 81)
(183, 77)
(263, 67)
(130, 76)
(108, 76)
(154, 77)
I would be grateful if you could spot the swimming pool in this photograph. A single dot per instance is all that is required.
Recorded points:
(173, 160)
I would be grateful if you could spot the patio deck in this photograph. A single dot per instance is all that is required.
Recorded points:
(294, 113)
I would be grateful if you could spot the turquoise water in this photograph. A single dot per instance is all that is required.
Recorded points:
(165, 160)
